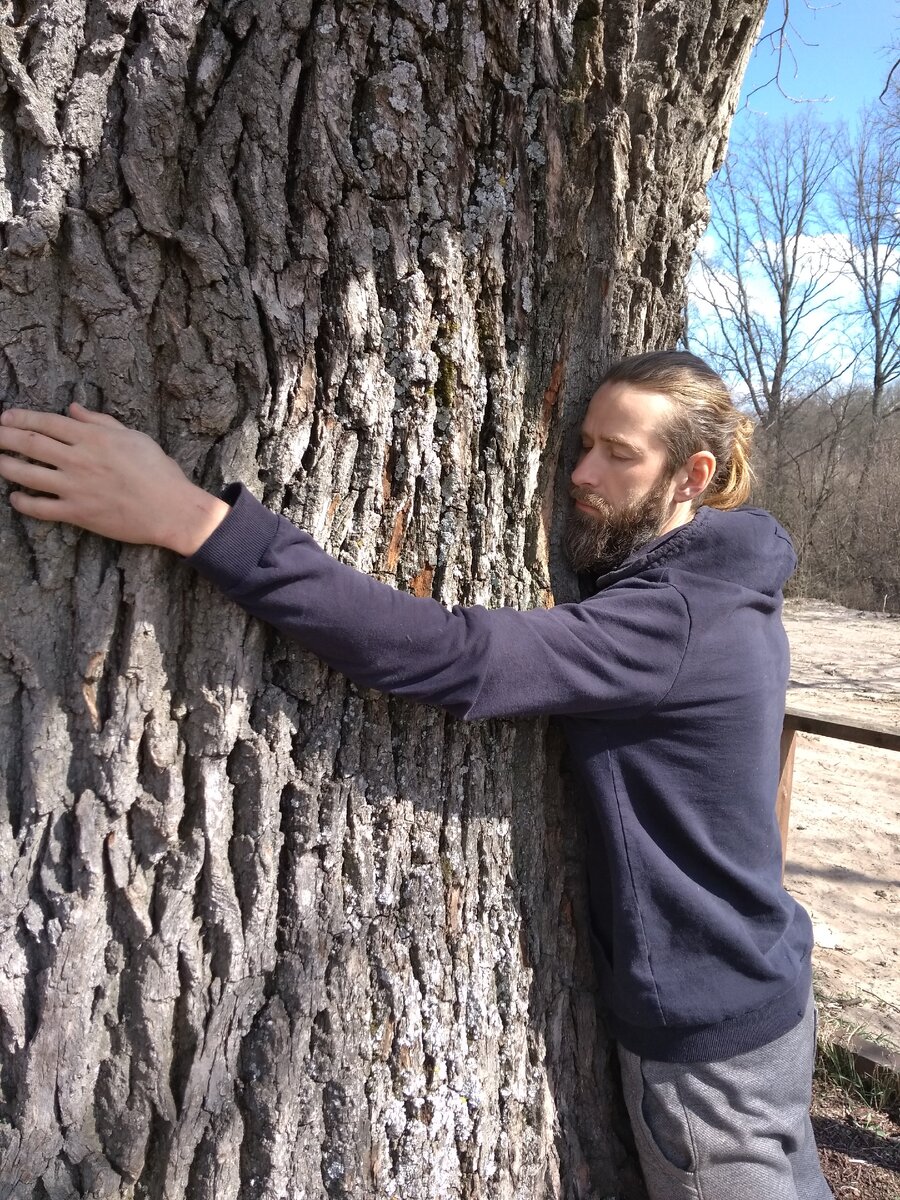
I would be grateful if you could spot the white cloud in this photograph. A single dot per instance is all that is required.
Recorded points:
(822, 263)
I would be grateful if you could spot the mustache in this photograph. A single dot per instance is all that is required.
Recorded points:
(583, 496)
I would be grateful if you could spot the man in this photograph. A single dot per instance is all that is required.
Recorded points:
(670, 681)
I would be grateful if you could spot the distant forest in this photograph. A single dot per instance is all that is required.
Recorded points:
(795, 297)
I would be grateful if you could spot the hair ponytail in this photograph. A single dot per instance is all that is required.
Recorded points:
(735, 488)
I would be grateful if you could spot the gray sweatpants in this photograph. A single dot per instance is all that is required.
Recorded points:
(732, 1130)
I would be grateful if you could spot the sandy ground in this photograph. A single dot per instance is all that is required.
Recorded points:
(843, 860)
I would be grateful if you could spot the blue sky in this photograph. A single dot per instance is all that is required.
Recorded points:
(842, 51)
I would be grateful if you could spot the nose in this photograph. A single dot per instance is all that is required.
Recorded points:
(585, 473)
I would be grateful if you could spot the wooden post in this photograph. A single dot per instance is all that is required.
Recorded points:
(785, 782)
(798, 720)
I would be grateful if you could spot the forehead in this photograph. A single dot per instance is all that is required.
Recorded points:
(620, 410)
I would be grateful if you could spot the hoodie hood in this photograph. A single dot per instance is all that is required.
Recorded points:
(743, 546)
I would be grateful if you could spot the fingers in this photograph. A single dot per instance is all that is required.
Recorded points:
(42, 507)
(89, 417)
(51, 425)
(63, 429)
(40, 479)
(34, 445)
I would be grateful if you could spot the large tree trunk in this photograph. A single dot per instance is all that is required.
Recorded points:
(264, 935)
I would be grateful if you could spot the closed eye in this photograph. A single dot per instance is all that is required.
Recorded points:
(613, 449)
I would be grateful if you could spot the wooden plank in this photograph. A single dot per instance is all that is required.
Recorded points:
(785, 783)
(800, 720)
(864, 733)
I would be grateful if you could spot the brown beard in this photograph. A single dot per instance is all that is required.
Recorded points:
(596, 544)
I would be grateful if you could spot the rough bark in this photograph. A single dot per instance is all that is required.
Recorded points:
(264, 935)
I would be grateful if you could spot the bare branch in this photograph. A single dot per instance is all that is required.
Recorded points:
(781, 45)
(887, 85)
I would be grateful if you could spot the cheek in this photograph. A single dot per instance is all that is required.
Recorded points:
(649, 475)
(637, 484)
(630, 476)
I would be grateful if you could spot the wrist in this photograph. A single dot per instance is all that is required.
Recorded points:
(198, 515)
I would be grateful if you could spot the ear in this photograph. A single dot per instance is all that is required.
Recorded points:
(694, 477)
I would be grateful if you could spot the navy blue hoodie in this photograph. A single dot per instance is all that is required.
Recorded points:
(670, 682)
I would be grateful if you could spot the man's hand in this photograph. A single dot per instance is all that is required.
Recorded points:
(99, 474)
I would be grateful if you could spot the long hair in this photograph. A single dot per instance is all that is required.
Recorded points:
(703, 417)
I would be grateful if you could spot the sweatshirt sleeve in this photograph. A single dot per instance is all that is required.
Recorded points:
(618, 650)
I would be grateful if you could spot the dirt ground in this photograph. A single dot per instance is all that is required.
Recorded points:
(843, 859)
(843, 864)
(859, 1146)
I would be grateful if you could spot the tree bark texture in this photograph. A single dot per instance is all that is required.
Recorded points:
(263, 934)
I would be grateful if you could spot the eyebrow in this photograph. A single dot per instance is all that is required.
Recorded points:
(616, 441)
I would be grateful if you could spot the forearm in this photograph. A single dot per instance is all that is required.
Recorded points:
(619, 651)
(379, 637)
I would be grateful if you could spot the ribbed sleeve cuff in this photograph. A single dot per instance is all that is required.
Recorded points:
(234, 549)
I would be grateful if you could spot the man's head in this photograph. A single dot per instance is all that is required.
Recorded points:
(661, 436)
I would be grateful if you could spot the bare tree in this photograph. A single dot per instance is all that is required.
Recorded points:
(842, 501)
(817, 466)
(798, 299)
(765, 288)
(867, 201)
(264, 934)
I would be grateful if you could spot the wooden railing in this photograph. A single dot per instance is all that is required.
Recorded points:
(798, 720)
